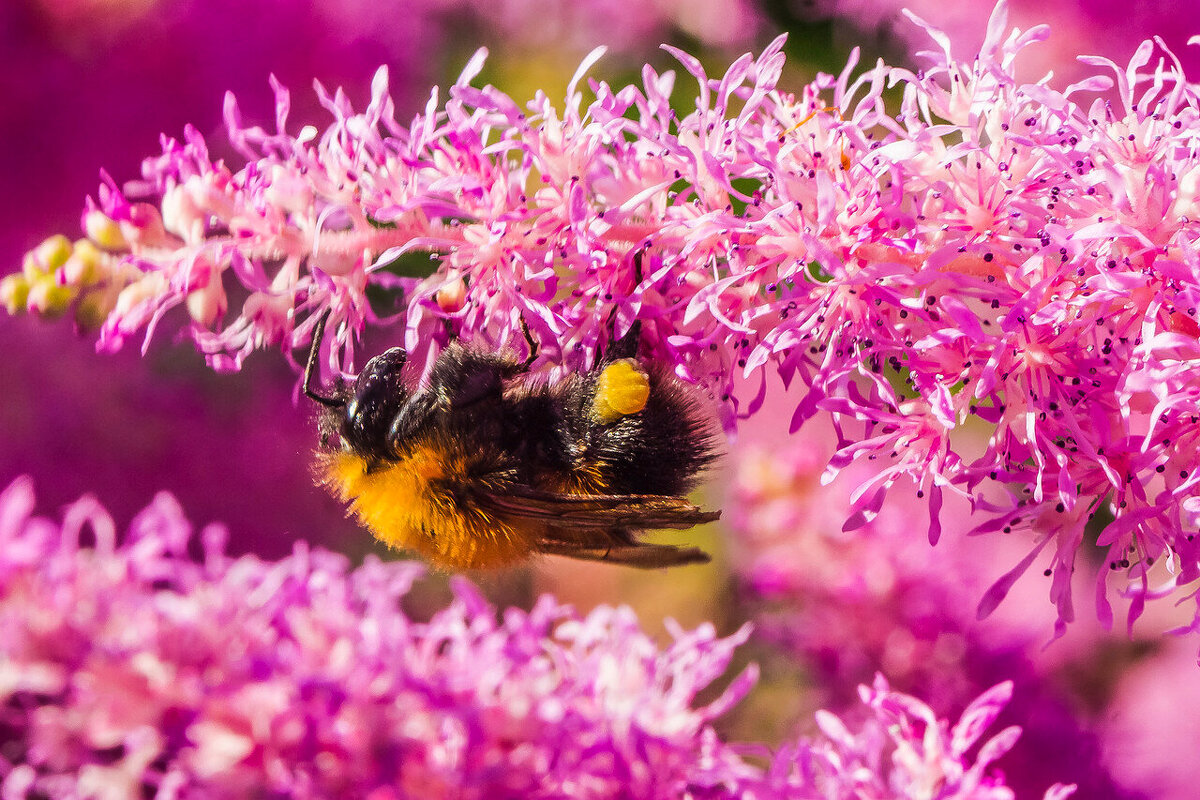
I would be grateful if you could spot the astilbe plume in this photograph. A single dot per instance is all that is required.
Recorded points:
(848, 603)
(1115, 28)
(128, 668)
(903, 752)
(995, 251)
(841, 605)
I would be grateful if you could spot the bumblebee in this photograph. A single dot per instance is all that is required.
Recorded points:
(486, 465)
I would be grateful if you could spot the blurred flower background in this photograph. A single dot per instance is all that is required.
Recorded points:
(90, 84)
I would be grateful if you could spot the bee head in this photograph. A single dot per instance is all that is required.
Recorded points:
(373, 402)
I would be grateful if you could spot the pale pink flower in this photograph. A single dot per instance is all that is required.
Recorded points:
(128, 668)
(991, 249)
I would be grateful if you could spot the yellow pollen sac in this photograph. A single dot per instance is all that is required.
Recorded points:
(105, 232)
(14, 292)
(47, 299)
(94, 307)
(83, 267)
(622, 389)
(51, 254)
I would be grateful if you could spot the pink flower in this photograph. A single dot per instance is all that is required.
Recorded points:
(843, 600)
(991, 249)
(903, 751)
(126, 667)
(1108, 28)
(1151, 729)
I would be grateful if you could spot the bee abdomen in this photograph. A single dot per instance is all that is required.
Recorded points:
(421, 502)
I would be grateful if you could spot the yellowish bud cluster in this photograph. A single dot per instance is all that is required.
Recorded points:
(451, 296)
(621, 390)
(59, 275)
(104, 231)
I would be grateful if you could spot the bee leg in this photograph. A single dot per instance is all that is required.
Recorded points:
(310, 367)
(533, 346)
(625, 347)
(618, 546)
(642, 556)
(628, 345)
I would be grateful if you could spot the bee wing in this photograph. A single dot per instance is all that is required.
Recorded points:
(598, 511)
(646, 556)
(600, 527)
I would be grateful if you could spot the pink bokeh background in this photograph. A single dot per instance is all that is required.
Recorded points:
(91, 84)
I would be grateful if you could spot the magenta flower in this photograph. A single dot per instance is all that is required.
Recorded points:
(1151, 731)
(128, 668)
(903, 752)
(993, 250)
(1115, 29)
(842, 605)
(68, 68)
(848, 604)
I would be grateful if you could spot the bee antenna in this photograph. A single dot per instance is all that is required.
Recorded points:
(625, 347)
(310, 367)
(533, 345)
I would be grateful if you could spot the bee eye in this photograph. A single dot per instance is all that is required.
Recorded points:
(380, 383)
(383, 368)
(379, 393)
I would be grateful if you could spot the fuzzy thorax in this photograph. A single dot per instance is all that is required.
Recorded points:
(406, 504)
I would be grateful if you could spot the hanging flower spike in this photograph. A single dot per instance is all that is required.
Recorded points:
(560, 217)
(995, 250)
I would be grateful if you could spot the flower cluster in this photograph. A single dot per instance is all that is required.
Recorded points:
(842, 605)
(848, 603)
(903, 751)
(994, 251)
(68, 67)
(1113, 27)
(130, 669)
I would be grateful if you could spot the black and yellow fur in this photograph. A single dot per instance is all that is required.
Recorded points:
(486, 465)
